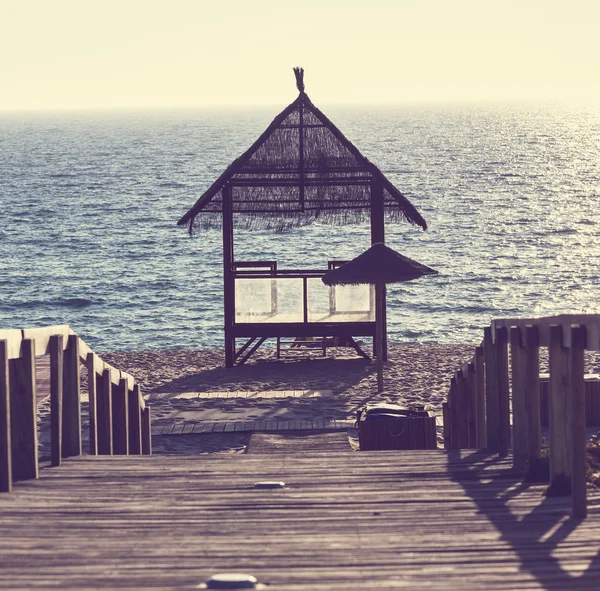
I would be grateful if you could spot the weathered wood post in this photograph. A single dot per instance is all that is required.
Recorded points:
(471, 380)
(454, 414)
(120, 418)
(447, 427)
(462, 395)
(228, 275)
(480, 393)
(135, 421)
(23, 413)
(491, 390)
(56, 398)
(105, 433)
(5, 434)
(71, 400)
(577, 399)
(532, 395)
(561, 447)
(503, 391)
(146, 432)
(90, 363)
(519, 401)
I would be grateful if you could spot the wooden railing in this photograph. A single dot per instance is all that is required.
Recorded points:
(119, 420)
(507, 367)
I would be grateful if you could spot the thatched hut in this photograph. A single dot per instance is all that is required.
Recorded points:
(300, 170)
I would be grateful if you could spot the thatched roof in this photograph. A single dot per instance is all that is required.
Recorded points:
(378, 264)
(301, 169)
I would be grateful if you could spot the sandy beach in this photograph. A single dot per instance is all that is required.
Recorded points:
(414, 375)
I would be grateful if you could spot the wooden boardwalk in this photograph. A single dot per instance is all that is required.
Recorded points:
(362, 520)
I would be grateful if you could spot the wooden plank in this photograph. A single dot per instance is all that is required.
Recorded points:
(578, 433)
(503, 391)
(135, 420)
(519, 401)
(13, 338)
(71, 399)
(23, 413)
(561, 446)
(120, 415)
(42, 335)
(369, 520)
(56, 348)
(5, 430)
(90, 363)
(105, 422)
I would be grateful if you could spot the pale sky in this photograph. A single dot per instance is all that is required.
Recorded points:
(103, 54)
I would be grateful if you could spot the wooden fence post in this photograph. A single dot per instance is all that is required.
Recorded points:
(23, 413)
(454, 414)
(480, 390)
(532, 394)
(577, 400)
(71, 400)
(120, 418)
(503, 391)
(5, 433)
(561, 448)
(105, 434)
(135, 421)
(519, 401)
(471, 380)
(146, 432)
(462, 393)
(446, 418)
(93, 402)
(56, 398)
(491, 390)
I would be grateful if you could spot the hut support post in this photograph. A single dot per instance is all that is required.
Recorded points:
(71, 400)
(23, 413)
(561, 447)
(531, 370)
(491, 390)
(380, 332)
(5, 439)
(228, 278)
(577, 399)
(56, 398)
(519, 401)
(378, 235)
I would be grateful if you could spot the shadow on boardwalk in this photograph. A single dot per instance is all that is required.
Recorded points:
(561, 552)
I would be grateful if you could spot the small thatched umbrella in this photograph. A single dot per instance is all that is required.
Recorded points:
(377, 266)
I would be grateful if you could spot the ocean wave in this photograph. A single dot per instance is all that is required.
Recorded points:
(76, 303)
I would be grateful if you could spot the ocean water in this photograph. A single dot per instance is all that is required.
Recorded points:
(89, 204)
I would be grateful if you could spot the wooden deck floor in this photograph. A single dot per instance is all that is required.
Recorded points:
(370, 520)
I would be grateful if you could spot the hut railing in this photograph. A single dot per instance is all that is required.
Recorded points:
(119, 420)
(288, 295)
(506, 369)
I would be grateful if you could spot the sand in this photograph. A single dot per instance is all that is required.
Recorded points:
(414, 375)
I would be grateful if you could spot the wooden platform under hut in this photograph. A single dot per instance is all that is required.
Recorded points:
(302, 169)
